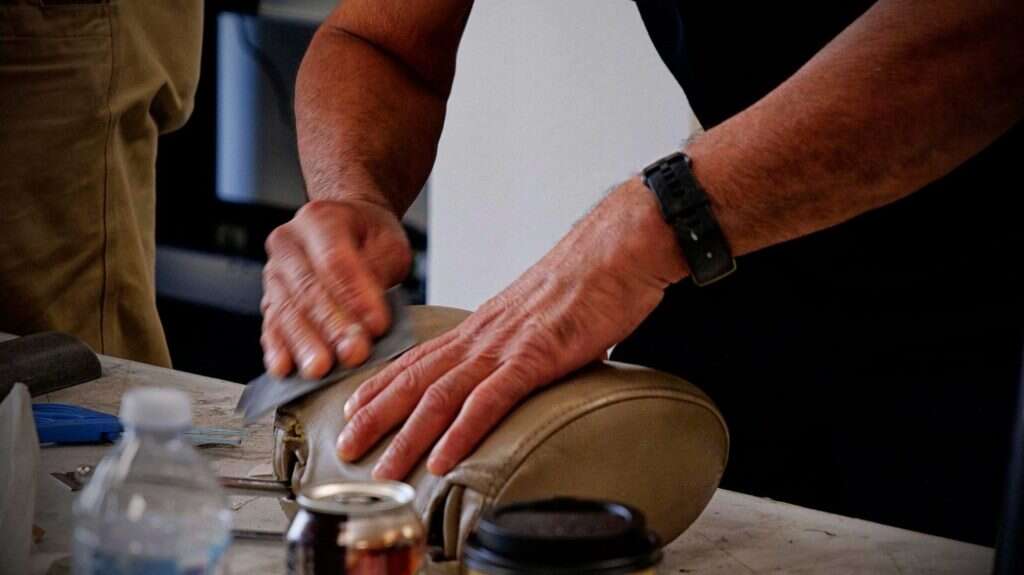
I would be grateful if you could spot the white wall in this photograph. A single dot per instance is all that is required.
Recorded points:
(553, 103)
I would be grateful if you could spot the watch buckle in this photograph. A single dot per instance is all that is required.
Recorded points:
(725, 274)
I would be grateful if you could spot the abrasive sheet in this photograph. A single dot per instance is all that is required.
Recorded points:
(266, 393)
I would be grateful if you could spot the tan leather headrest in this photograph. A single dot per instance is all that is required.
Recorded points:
(610, 431)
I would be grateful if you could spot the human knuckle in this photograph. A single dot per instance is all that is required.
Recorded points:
(408, 381)
(519, 376)
(437, 398)
(358, 398)
(354, 294)
(420, 371)
(268, 324)
(487, 401)
(272, 317)
(397, 251)
(335, 258)
(315, 210)
(305, 284)
(333, 325)
(351, 293)
(486, 353)
(288, 310)
(268, 272)
(526, 355)
(534, 326)
(400, 446)
(338, 269)
(277, 238)
(364, 422)
(293, 321)
(309, 211)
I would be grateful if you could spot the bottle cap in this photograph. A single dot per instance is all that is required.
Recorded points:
(157, 409)
(562, 536)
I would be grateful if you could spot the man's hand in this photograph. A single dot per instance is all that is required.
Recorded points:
(587, 294)
(323, 285)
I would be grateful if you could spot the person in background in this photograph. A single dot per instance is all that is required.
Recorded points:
(862, 161)
(86, 87)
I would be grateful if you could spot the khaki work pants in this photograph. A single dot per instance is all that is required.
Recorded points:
(86, 86)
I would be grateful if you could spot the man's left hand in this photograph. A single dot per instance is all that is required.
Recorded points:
(587, 294)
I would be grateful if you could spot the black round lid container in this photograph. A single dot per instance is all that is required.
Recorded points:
(562, 535)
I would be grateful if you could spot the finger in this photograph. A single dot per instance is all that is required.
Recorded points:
(283, 317)
(393, 404)
(373, 386)
(348, 278)
(338, 329)
(433, 414)
(276, 358)
(484, 408)
(355, 346)
(301, 339)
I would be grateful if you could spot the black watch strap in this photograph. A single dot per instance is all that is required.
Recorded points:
(686, 209)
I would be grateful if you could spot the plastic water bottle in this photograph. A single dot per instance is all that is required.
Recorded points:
(153, 505)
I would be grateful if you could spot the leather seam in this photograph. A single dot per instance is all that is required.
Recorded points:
(721, 421)
(575, 412)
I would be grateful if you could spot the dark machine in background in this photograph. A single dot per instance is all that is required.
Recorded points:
(228, 178)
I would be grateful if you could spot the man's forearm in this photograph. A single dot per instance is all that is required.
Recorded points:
(368, 113)
(908, 92)
(365, 128)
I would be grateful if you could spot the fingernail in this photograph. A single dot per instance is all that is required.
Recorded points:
(350, 406)
(268, 360)
(375, 318)
(379, 471)
(307, 362)
(345, 445)
(352, 332)
(437, 466)
(344, 348)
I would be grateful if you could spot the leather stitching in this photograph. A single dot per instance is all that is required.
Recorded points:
(575, 412)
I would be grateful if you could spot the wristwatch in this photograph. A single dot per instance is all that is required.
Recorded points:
(685, 207)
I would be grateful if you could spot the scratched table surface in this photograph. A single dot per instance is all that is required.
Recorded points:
(737, 533)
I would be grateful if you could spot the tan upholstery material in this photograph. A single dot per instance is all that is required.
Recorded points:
(610, 431)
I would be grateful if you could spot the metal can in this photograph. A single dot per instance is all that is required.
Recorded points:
(358, 527)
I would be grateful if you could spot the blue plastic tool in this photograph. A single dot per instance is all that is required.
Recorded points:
(71, 424)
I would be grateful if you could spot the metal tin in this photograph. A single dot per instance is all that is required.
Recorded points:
(358, 527)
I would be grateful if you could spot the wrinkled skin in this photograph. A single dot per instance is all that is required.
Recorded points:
(587, 294)
(818, 150)
(323, 285)
(324, 302)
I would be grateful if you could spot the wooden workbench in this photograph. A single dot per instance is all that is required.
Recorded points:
(736, 534)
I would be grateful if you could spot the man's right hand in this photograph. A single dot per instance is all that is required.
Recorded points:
(323, 285)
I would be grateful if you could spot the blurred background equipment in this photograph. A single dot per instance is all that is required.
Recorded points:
(232, 175)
